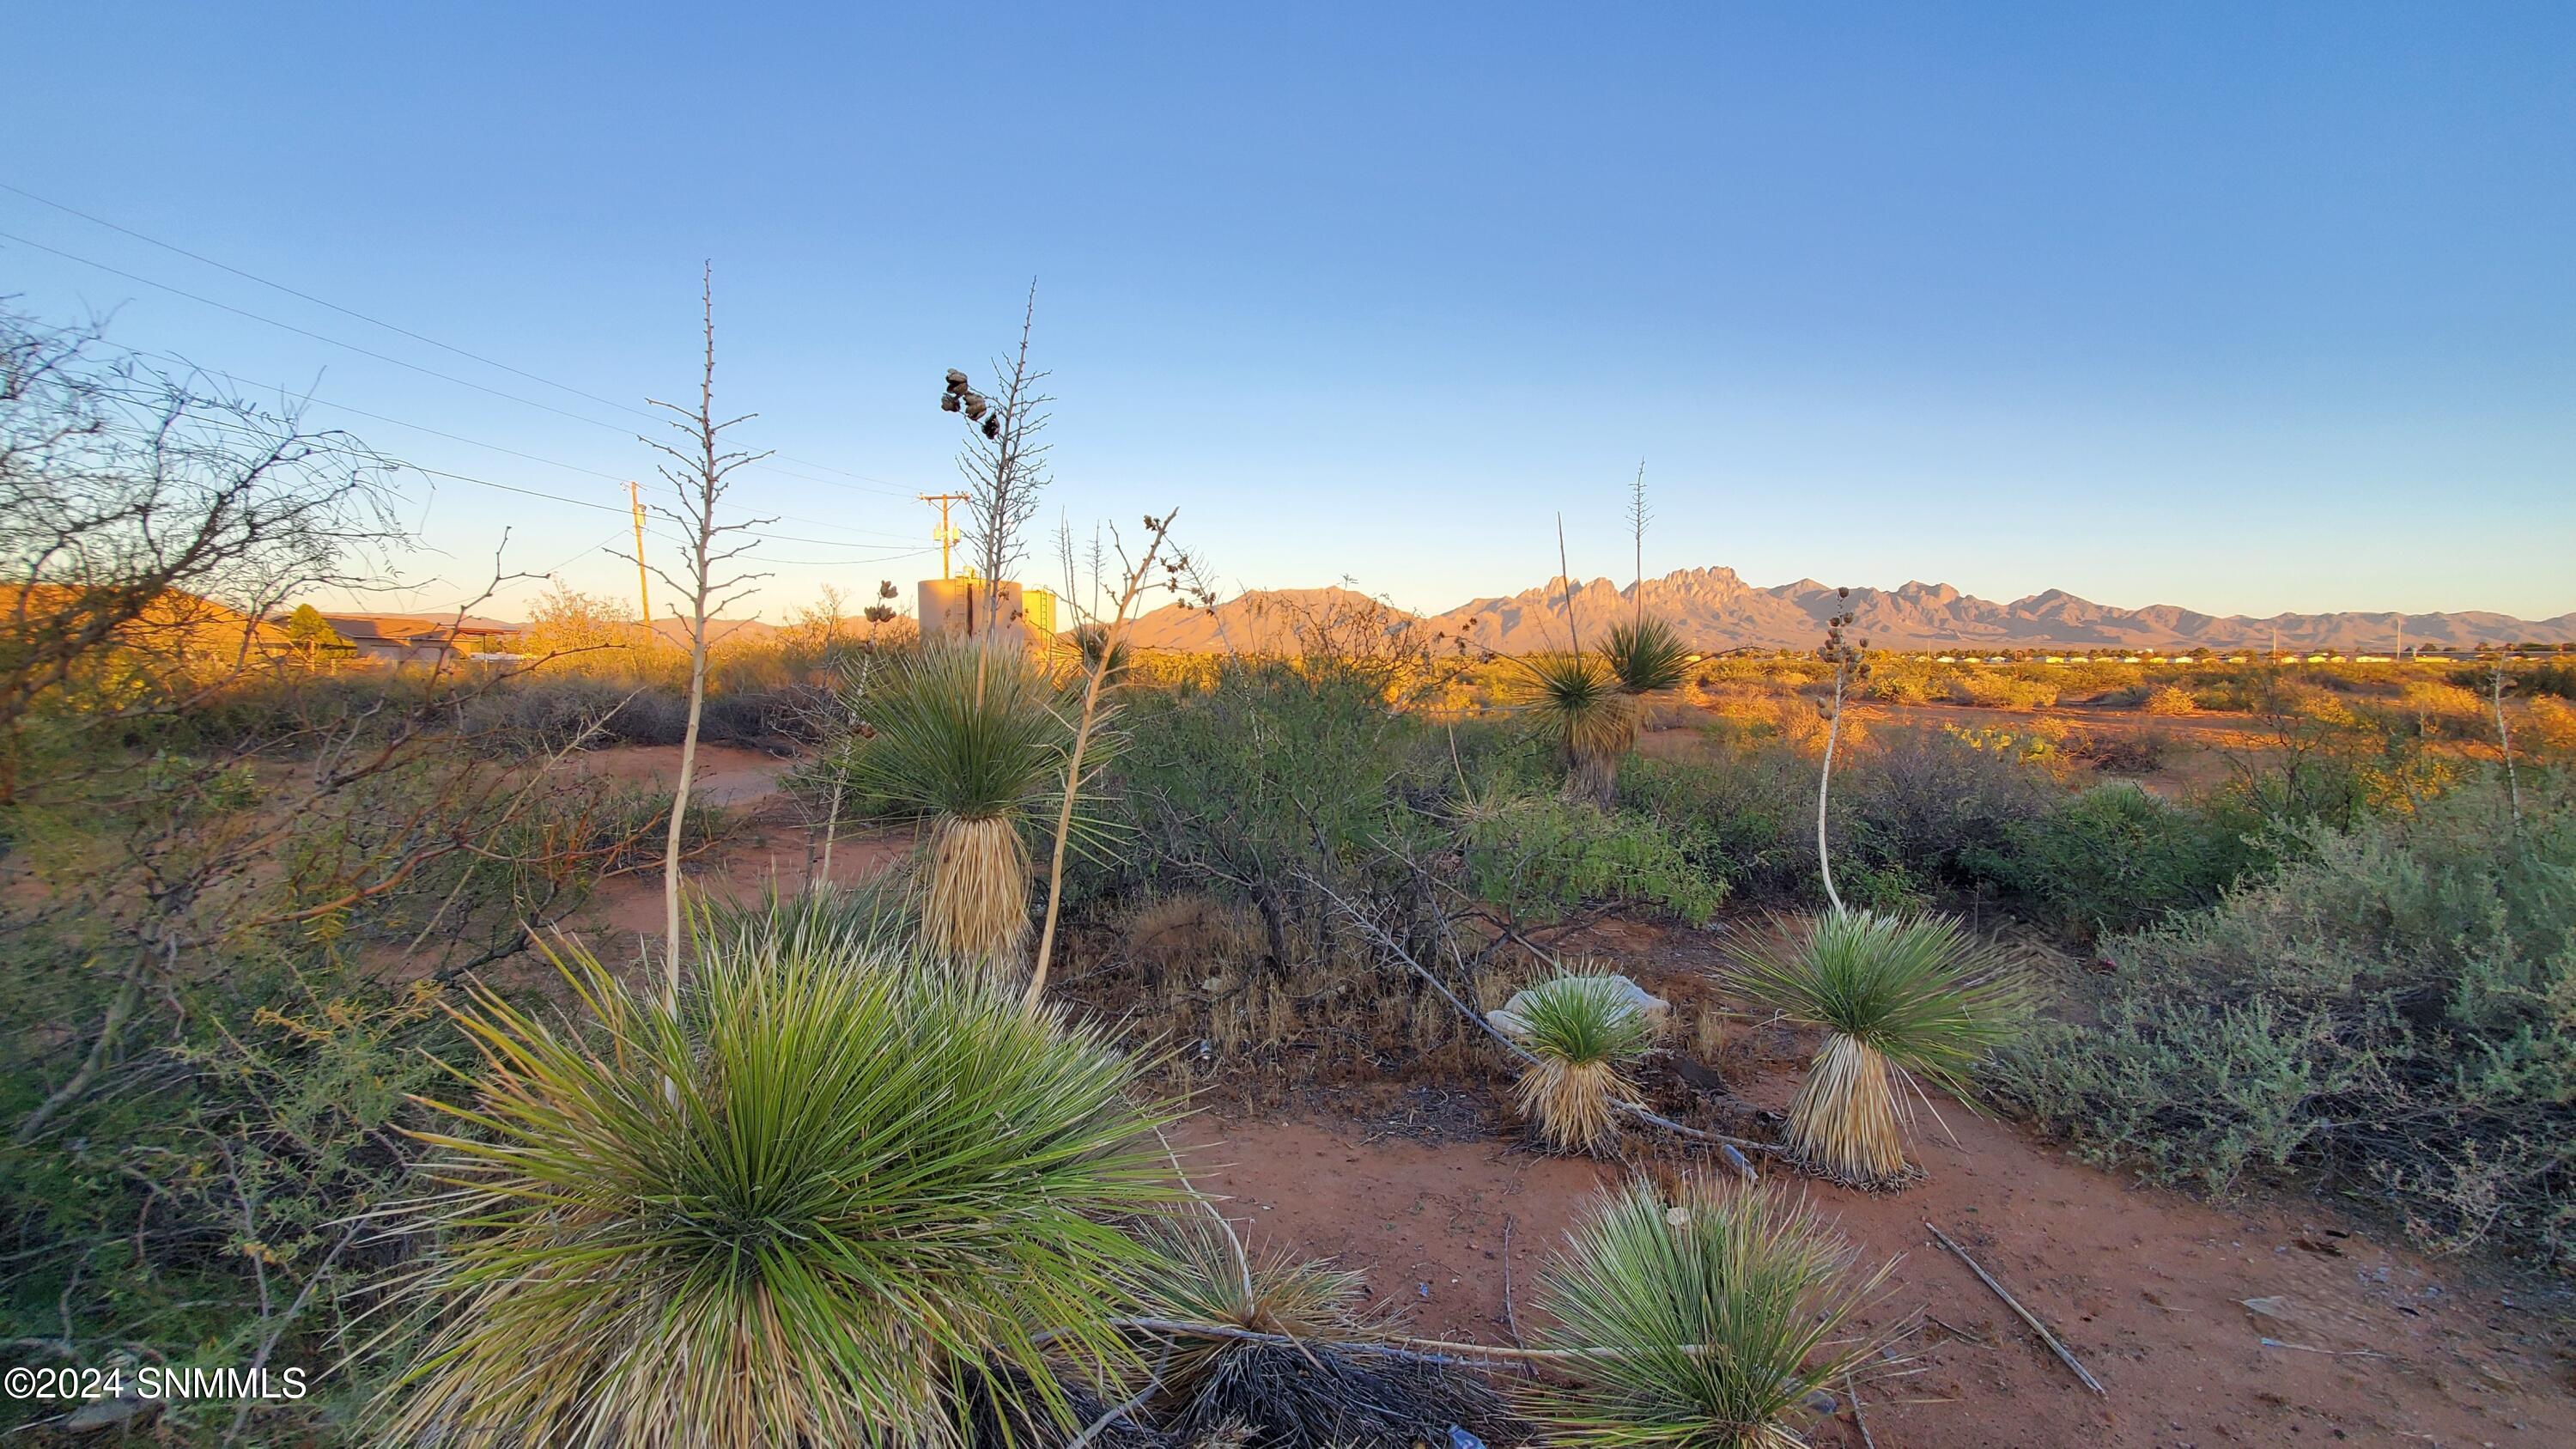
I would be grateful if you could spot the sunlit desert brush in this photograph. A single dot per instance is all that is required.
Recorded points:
(1903, 1001)
(971, 738)
(1584, 1030)
(834, 1199)
(1700, 1322)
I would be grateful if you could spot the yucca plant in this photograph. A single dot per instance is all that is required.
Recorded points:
(833, 1199)
(1701, 1322)
(1328, 1390)
(1090, 640)
(1904, 1001)
(1592, 720)
(1584, 1031)
(1198, 1274)
(1647, 656)
(971, 737)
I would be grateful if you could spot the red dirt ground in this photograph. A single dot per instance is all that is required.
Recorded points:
(2145, 1286)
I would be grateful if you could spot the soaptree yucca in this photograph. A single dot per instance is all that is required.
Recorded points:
(1903, 1001)
(1583, 1031)
(1330, 1387)
(970, 736)
(1579, 703)
(1646, 656)
(833, 1199)
(1705, 1321)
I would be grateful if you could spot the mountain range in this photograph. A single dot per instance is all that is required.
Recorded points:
(1714, 609)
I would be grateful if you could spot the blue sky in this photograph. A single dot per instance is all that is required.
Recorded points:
(2248, 308)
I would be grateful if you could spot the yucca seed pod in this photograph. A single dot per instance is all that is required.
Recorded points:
(948, 402)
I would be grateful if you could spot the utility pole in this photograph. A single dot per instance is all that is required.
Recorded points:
(947, 535)
(643, 589)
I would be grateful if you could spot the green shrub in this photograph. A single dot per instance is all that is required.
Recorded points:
(1540, 857)
(1263, 773)
(206, 1197)
(2115, 858)
(2392, 1015)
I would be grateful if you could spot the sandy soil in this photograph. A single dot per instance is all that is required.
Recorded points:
(772, 845)
(2143, 1286)
(2146, 1286)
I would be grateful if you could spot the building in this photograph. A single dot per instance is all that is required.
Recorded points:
(427, 640)
(956, 607)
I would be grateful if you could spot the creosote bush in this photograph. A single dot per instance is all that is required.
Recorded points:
(1701, 1322)
(834, 1199)
(1584, 1030)
(1543, 857)
(2391, 1016)
(1903, 1002)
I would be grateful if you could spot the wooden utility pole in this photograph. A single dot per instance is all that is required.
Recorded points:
(643, 589)
(947, 535)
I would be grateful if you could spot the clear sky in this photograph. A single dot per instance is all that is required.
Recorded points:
(2238, 306)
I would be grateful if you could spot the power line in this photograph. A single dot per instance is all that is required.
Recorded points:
(240, 381)
(882, 486)
(316, 301)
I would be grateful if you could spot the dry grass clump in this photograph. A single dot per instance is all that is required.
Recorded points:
(1902, 1000)
(1701, 1322)
(1192, 931)
(1585, 1030)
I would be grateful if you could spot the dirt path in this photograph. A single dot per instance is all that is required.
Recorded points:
(771, 847)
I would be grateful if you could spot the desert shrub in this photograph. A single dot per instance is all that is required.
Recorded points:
(206, 1199)
(1928, 802)
(2002, 689)
(2547, 727)
(2121, 752)
(2115, 858)
(861, 1186)
(1541, 857)
(1269, 773)
(2169, 699)
(1735, 815)
(2388, 1016)
(1914, 816)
